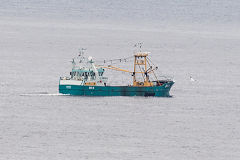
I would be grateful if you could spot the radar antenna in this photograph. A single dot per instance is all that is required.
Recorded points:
(138, 46)
(81, 54)
(81, 51)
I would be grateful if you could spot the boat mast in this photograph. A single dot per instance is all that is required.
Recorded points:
(140, 59)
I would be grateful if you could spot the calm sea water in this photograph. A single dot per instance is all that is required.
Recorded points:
(198, 39)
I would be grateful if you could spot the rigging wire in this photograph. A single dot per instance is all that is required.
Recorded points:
(150, 61)
(150, 65)
(115, 61)
(142, 72)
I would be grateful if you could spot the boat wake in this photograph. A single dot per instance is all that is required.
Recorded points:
(41, 94)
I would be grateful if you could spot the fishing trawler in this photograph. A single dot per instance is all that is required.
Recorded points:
(86, 79)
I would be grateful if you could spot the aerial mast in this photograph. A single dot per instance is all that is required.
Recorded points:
(140, 59)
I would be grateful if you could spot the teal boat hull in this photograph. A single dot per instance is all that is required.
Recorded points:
(79, 90)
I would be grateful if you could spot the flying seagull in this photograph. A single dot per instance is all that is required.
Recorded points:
(191, 79)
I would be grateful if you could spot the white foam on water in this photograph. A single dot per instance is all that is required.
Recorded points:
(43, 94)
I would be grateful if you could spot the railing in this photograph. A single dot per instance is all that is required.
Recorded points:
(64, 78)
